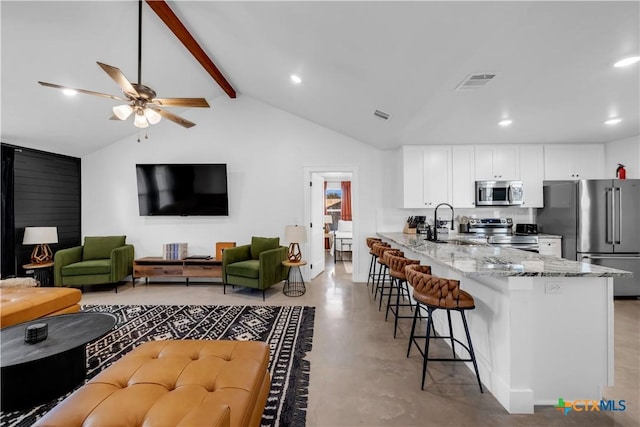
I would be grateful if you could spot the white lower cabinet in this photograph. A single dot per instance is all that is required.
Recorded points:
(551, 246)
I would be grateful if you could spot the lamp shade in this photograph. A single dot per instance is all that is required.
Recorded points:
(40, 235)
(328, 219)
(295, 234)
(122, 111)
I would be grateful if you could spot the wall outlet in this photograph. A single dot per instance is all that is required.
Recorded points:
(552, 288)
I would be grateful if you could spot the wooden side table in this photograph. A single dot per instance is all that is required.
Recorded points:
(41, 272)
(294, 285)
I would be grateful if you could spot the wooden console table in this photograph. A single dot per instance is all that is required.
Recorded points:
(155, 267)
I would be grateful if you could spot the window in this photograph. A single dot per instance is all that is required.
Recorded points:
(333, 203)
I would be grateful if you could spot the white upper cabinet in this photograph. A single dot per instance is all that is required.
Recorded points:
(437, 175)
(463, 176)
(426, 175)
(497, 162)
(433, 174)
(412, 176)
(568, 162)
(532, 174)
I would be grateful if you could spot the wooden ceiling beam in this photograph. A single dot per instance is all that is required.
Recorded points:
(164, 12)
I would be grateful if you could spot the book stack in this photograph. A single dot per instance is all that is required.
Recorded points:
(174, 250)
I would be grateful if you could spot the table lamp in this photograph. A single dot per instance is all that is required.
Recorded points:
(328, 219)
(295, 234)
(41, 237)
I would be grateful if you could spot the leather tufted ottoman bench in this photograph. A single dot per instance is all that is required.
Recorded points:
(186, 383)
(19, 305)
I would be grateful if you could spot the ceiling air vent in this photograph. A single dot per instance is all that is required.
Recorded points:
(382, 115)
(476, 81)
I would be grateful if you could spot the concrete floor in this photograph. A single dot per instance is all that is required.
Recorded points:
(361, 377)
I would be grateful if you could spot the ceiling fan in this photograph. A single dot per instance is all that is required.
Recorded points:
(139, 99)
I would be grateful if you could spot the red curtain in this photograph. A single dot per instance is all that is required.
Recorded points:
(346, 200)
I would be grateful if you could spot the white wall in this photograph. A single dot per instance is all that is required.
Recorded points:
(265, 150)
(625, 151)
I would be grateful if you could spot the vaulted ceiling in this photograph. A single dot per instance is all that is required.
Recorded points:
(553, 63)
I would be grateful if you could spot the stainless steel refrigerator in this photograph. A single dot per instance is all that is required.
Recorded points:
(599, 221)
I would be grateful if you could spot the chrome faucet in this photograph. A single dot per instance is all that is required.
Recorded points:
(435, 220)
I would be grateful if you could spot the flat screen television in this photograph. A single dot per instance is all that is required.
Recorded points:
(182, 189)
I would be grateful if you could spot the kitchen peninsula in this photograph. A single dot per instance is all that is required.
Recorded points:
(542, 327)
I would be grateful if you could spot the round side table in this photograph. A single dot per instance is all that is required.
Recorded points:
(41, 272)
(294, 285)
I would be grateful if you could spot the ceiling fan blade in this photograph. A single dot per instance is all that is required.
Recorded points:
(88, 92)
(181, 102)
(176, 119)
(119, 78)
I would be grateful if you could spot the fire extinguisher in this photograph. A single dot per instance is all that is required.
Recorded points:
(621, 173)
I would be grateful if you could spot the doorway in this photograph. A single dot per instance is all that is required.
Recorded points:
(315, 195)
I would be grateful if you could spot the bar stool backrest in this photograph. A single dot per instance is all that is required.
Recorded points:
(435, 291)
(379, 248)
(373, 240)
(398, 263)
(389, 253)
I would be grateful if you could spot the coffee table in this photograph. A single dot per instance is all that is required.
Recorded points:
(36, 373)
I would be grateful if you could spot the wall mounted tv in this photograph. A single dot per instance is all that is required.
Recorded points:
(182, 189)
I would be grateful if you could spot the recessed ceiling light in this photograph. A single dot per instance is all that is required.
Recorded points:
(613, 121)
(627, 61)
(69, 92)
(505, 122)
(296, 79)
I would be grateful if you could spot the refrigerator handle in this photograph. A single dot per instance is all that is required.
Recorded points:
(609, 220)
(610, 257)
(618, 239)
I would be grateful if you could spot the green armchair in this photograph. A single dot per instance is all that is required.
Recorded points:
(257, 266)
(101, 260)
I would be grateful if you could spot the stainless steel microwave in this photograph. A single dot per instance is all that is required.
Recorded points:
(499, 193)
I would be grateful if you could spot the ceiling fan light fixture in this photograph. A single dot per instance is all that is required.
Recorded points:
(69, 92)
(122, 111)
(152, 116)
(140, 121)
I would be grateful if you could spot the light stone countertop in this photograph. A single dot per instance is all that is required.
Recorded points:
(474, 259)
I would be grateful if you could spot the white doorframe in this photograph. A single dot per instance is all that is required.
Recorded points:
(353, 170)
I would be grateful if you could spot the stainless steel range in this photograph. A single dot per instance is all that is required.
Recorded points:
(499, 232)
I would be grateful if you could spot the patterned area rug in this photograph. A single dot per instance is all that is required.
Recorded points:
(288, 330)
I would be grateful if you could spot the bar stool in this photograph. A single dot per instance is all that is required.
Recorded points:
(383, 260)
(439, 293)
(399, 284)
(377, 250)
(370, 242)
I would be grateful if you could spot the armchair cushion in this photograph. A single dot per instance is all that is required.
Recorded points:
(101, 247)
(249, 268)
(94, 266)
(261, 244)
